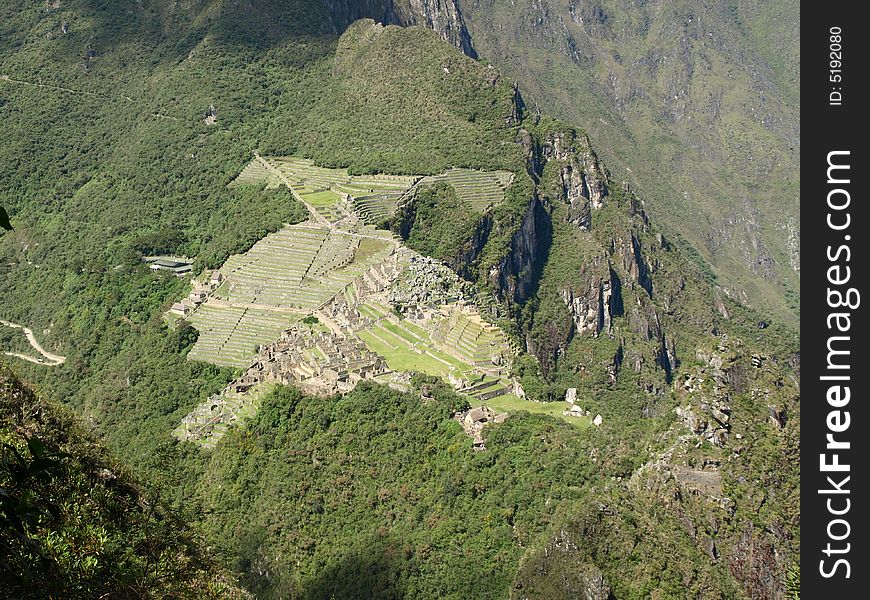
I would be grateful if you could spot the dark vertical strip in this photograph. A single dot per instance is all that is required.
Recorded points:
(835, 425)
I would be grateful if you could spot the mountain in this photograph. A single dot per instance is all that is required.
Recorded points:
(76, 523)
(215, 131)
(695, 104)
(441, 16)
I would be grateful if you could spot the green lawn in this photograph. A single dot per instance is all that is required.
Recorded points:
(411, 338)
(321, 199)
(400, 356)
(414, 335)
(369, 247)
(512, 403)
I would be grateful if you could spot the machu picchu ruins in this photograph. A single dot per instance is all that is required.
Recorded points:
(333, 301)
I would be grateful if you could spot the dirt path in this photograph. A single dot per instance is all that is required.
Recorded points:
(316, 216)
(60, 88)
(49, 359)
(328, 322)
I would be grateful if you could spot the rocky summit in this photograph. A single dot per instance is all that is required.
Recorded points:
(399, 299)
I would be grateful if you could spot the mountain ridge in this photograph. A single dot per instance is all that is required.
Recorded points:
(604, 302)
(683, 85)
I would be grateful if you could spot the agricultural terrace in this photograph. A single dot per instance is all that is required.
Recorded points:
(279, 280)
(229, 336)
(256, 173)
(405, 346)
(463, 355)
(374, 197)
(471, 339)
(479, 189)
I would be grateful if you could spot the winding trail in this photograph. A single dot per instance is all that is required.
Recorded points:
(315, 216)
(59, 88)
(48, 86)
(49, 359)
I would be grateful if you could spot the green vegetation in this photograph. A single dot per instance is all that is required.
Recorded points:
(109, 156)
(251, 214)
(75, 524)
(400, 101)
(345, 522)
(697, 106)
(436, 222)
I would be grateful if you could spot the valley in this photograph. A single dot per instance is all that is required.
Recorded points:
(347, 313)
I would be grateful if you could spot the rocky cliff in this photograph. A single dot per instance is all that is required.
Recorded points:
(441, 16)
(721, 484)
(516, 273)
(687, 103)
(577, 256)
(602, 260)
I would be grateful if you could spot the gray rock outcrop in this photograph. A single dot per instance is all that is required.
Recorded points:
(441, 16)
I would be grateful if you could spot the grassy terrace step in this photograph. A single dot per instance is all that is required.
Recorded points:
(229, 336)
(493, 392)
(469, 339)
(210, 421)
(322, 199)
(375, 209)
(399, 355)
(480, 189)
(407, 336)
(306, 178)
(511, 404)
(488, 383)
(255, 173)
(297, 267)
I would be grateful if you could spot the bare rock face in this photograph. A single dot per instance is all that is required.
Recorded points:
(576, 150)
(441, 16)
(594, 305)
(706, 390)
(515, 274)
(628, 249)
(617, 279)
(583, 180)
(444, 18)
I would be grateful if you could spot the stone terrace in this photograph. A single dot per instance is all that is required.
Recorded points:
(373, 197)
(256, 173)
(479, 189)
(282, 277)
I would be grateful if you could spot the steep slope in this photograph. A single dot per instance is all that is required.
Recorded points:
(95, 180)
(168, 103)
(441, 16)
(694, 103)
(75, 524)
(631, 324)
